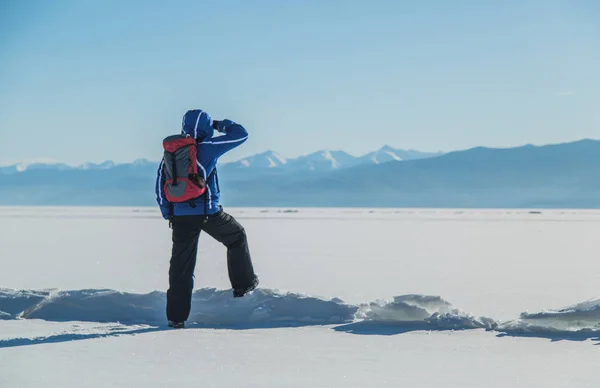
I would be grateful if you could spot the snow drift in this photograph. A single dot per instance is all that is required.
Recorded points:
(270, 308)
(429, 311)
(214, 308)
(578, 319)
(209, 307)
(13, 302)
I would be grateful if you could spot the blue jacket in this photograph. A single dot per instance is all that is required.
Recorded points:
(199, 124)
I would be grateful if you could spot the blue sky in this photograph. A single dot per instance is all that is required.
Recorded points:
(97, 80)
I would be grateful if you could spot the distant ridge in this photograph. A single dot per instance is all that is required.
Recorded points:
(323, 160)
(565, 175)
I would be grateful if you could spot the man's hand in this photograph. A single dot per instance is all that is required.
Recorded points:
(218, 125)
(221, 125)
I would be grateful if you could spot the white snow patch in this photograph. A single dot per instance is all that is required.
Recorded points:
(280, 158)
(328, 156)
(271, 162)
(393, 155)
(245, 163)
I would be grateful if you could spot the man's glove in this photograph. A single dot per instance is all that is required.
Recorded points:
(216, 124)
(221, 125)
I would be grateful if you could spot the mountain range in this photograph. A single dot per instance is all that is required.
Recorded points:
(327, 160)
(563, 175)
(324, 160)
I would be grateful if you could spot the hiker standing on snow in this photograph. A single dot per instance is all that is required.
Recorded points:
(188, 217)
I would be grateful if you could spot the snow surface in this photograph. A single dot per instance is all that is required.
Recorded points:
(290, 357)
(348, 298)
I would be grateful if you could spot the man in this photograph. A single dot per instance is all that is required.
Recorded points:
(206, 214)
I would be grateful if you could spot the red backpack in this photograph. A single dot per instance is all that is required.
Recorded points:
(182, 181)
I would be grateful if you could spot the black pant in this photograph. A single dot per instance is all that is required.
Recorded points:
(186, 232)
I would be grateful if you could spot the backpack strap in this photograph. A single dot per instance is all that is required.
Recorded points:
(213, 172)
(174, 166)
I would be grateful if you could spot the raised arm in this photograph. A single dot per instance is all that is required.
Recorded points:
(233, 135)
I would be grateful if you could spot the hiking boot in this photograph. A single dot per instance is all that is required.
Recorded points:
(176, 325)
(240, 292)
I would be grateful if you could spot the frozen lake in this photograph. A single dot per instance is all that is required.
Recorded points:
(495, 263)
(487, 263)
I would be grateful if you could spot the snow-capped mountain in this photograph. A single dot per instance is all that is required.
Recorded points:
(388, 154)
(382, 155)
(320, 161)
(36, 165)
(93, 166)
(53, 166)
(327, 160)
(268, 159)
(324, 160)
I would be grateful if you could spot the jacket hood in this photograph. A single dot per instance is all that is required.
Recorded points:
(197, 124)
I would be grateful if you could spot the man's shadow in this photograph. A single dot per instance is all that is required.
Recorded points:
(67, 337)
(579, 336)
(395, 328)
(124, 330)
(386, 328)
(356, 328)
